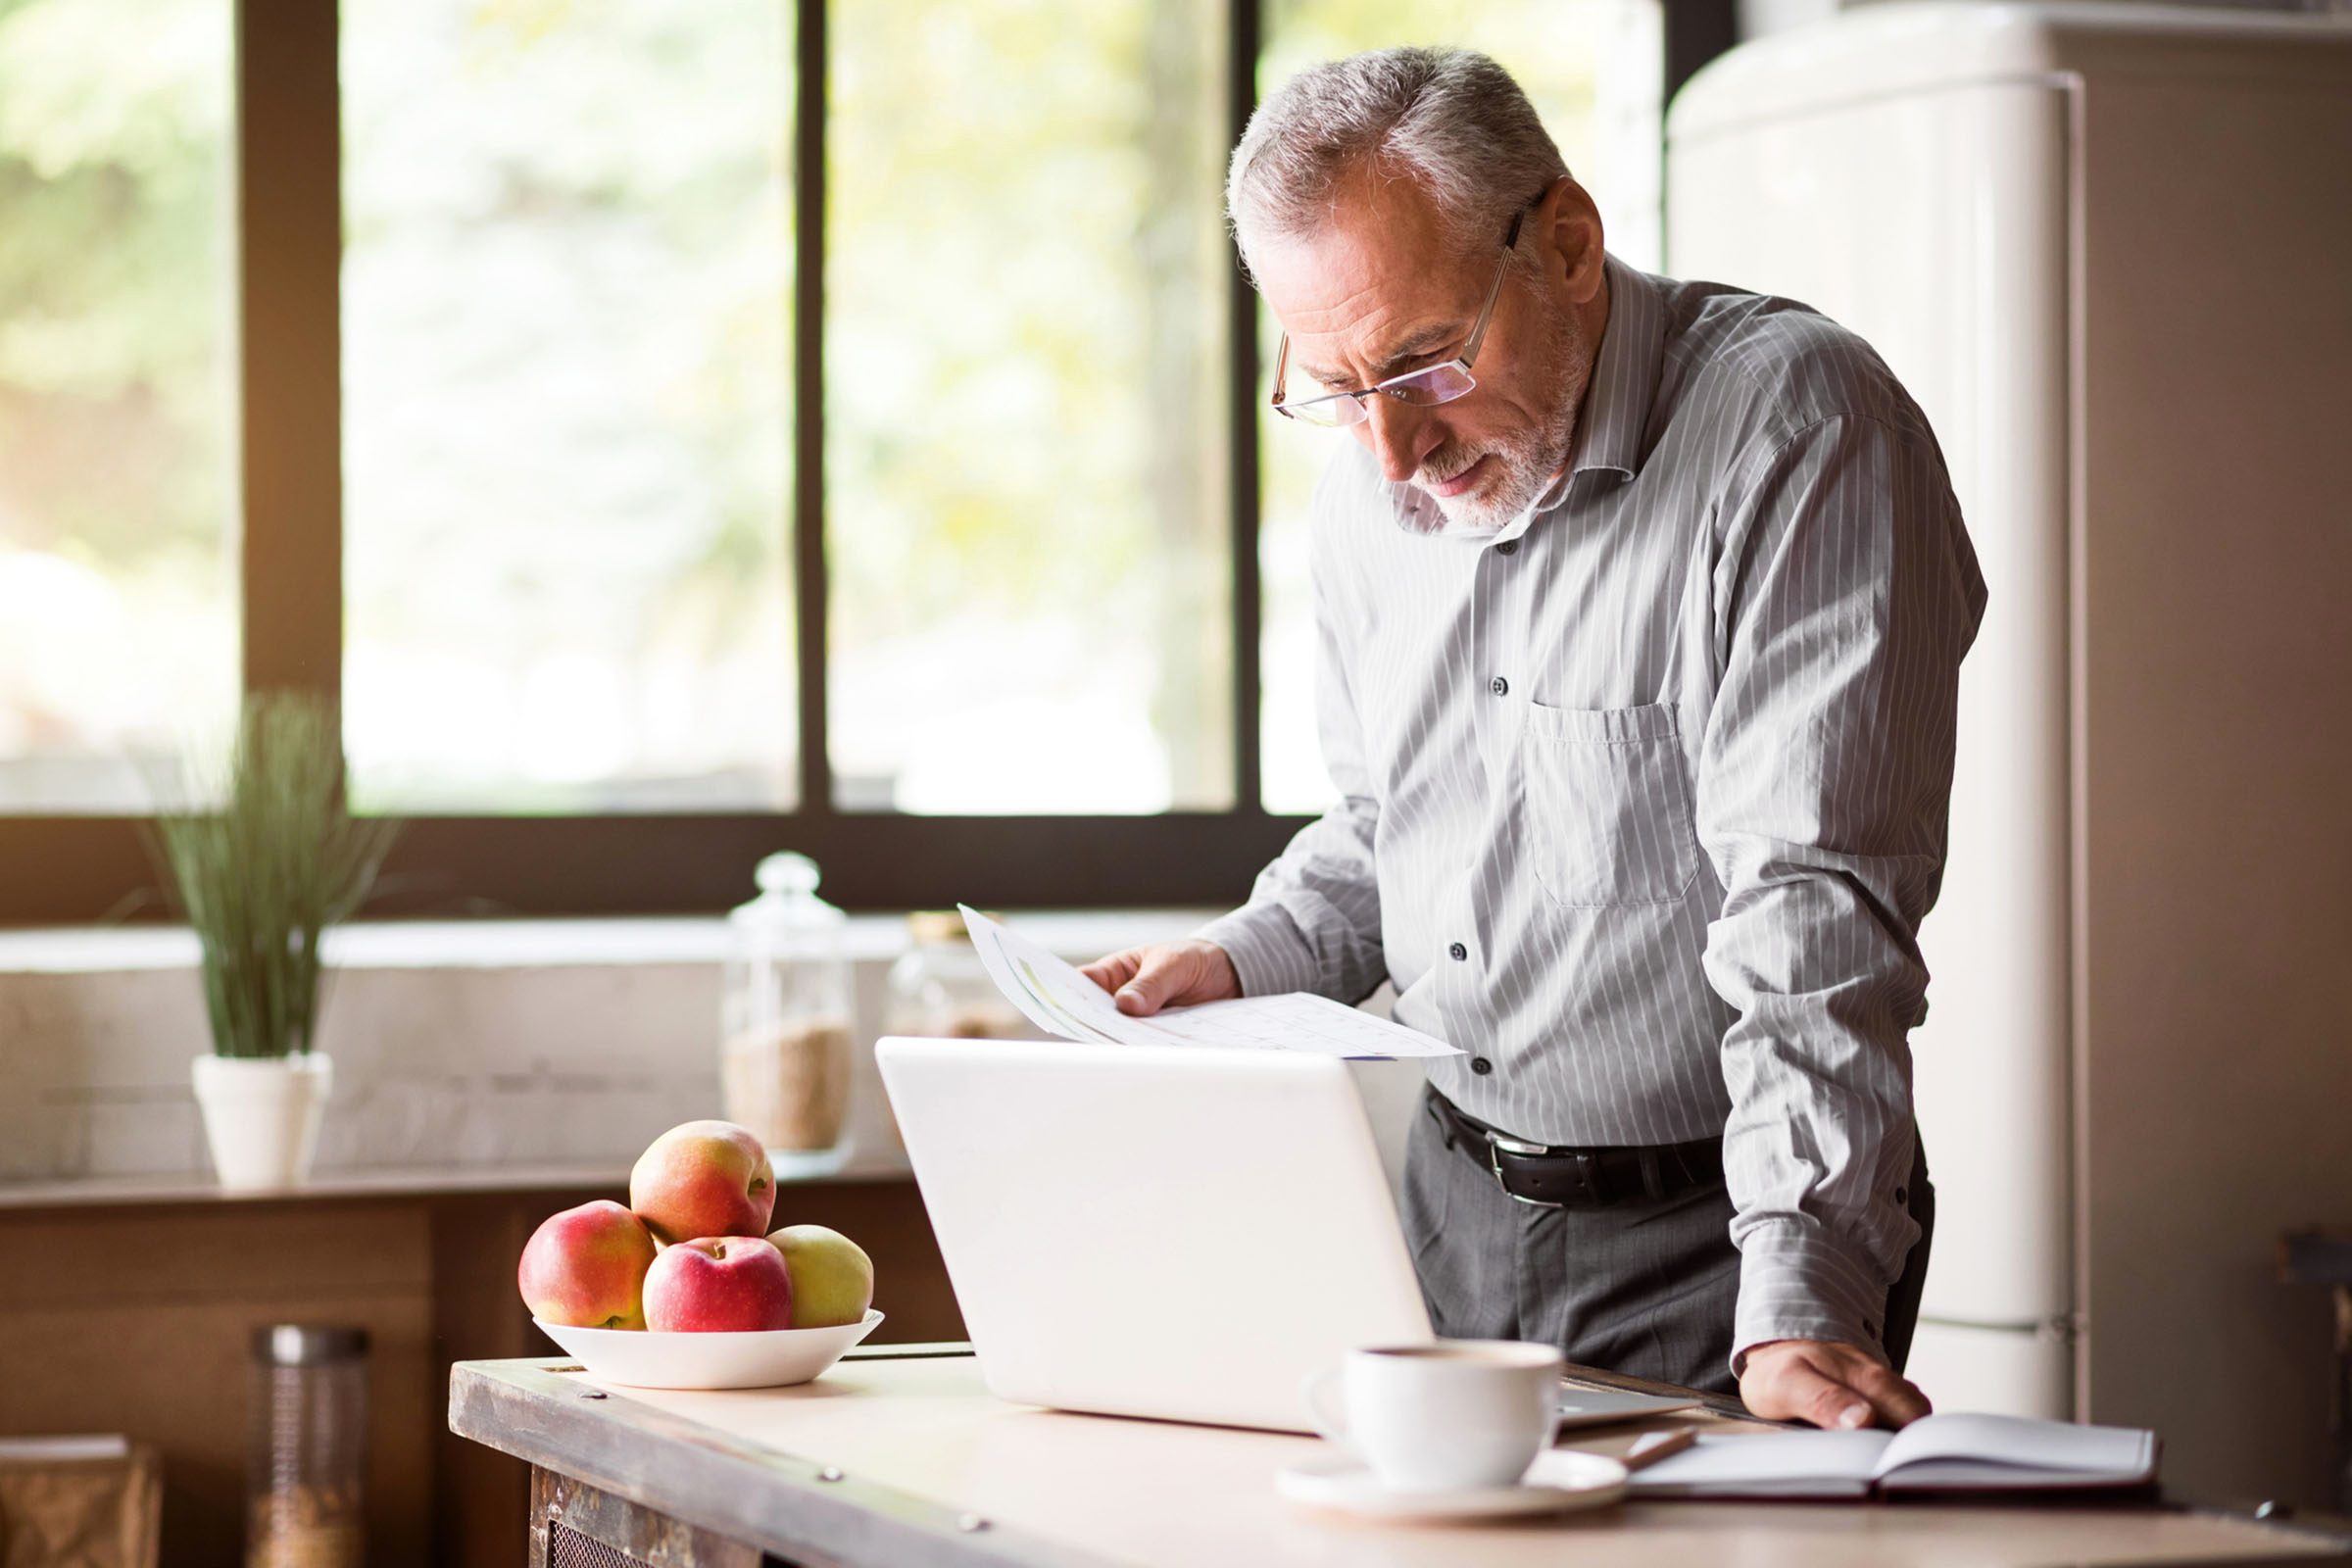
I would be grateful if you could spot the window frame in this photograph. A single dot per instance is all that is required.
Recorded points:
(288, 183)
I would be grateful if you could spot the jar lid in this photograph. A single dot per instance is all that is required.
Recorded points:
(787, 898)
(308, 1344)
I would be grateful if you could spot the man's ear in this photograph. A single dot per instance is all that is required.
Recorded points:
(1570, 222)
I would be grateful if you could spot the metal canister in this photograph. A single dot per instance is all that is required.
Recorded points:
(307, 1432)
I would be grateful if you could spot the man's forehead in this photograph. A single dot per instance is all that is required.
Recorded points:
(1376, 283)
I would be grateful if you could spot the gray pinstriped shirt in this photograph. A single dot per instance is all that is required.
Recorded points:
(1643, 798)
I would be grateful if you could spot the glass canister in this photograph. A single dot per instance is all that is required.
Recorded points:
(307, 1435)
(784, 1051)
(939, 989)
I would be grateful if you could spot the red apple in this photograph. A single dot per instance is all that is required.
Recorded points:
(703, 1178)
(717, 1285)
(586, 1267)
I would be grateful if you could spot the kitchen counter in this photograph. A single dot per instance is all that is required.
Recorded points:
(899, 1456)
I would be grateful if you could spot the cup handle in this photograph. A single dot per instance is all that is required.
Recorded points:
(1329, 1425)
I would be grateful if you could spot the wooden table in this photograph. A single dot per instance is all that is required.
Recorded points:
(900, 1457)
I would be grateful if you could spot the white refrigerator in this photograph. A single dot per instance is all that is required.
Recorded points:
(2108, 248)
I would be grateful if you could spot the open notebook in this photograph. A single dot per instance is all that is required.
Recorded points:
(1935, 1453)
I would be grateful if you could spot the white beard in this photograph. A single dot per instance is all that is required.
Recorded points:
(1529, 460)
(1478, 530)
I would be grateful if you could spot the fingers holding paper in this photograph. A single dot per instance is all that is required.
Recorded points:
(1833, 1386)
(1165, 974)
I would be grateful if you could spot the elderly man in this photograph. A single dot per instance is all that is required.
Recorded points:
(1642, 606)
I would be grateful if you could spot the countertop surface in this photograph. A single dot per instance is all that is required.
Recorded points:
(903, 1457)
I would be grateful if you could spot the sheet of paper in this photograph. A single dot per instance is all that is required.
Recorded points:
(1057, 999)
(2122, 1453)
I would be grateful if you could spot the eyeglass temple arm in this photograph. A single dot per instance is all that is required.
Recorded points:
(1282, 362)
(1486, 312)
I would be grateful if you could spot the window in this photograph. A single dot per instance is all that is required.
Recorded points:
(117, 574)
(1026, 373)
(566, 293)
(677, 432)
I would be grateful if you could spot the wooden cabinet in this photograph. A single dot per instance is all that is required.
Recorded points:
(134, 1318)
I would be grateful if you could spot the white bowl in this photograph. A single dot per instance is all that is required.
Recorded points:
(763, 1358)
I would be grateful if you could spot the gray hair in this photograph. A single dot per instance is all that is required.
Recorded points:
(1450, 120)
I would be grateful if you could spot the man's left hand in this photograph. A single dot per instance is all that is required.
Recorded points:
(1840, 1387)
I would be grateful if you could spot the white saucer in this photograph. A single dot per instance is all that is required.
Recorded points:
(1560, 1481)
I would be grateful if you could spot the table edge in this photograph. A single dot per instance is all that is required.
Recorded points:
(741, 1489)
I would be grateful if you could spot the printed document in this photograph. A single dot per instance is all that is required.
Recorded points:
(1060, 1001)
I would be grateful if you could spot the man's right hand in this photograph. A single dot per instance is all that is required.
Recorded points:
(1165, 974)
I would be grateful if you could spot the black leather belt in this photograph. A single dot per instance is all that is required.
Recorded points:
(1554, 1177)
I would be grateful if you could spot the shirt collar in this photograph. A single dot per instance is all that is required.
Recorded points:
(1625, 376)
(1609, 425)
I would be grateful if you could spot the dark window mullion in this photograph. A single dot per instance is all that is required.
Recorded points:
(873, 862)
(1248, 799)
(1696, 31)
(810, 588)
(289, 254)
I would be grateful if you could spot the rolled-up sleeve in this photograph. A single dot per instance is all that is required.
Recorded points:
(1313, 921)
(1846, 596)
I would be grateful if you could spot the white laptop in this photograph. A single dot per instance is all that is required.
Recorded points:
(1155, 1231)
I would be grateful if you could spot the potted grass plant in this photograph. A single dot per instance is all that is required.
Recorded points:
(261, 859)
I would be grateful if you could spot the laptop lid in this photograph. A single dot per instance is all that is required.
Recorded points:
(1168, 1232)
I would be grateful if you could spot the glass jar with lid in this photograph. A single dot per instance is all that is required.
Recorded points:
(307, 1441)
(939, 989)
(784, 1048)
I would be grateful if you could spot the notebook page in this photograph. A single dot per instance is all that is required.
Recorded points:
(1959, 1449)
(1796, 1464)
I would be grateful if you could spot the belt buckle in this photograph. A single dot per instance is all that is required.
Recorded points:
(1496, 1147)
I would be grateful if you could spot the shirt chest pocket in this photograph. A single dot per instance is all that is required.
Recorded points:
(1608, 805)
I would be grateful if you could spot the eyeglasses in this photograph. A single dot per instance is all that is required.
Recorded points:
(1421, 389)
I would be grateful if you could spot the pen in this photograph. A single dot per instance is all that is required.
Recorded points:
(1656, 1446)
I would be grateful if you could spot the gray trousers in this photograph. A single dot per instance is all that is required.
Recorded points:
(1645, 1288)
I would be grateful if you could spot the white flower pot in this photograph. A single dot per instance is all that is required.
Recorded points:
(261, 1116)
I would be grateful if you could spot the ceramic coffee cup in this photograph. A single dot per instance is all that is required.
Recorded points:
(1442, 1416)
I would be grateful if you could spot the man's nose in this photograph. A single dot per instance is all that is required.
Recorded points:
(1398, 435)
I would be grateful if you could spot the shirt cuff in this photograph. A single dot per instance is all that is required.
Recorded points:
(1802, 1282)
(1269, 952)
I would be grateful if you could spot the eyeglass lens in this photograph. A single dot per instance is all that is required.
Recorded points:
(1440, 383)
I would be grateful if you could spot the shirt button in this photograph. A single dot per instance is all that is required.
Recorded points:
(1499, 686)
(1481, 1065)
(1457, 953)
(1509, 547)
(1902, 1195)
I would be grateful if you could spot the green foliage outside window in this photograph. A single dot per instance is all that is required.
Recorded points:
(116, 621)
